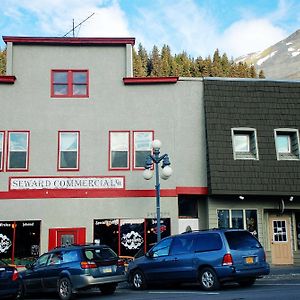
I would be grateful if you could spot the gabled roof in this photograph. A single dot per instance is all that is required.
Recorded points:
(68, 40)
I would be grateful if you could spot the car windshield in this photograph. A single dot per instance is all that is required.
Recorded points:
(241, 240)
(100, 254)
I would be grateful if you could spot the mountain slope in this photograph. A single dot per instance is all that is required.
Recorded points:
(280, 61)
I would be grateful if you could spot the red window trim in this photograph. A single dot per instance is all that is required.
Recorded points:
(109, 151)
(150, 80)
(7, 79)
(78, 151)
(69, 83)
(26, 169)
(133, 148)
(3, 150)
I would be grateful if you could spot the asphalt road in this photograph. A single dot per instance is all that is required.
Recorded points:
(275, 287)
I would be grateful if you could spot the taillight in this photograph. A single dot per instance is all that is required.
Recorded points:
(121, 263)
(227, 260)
(88, 265)
(15, 275)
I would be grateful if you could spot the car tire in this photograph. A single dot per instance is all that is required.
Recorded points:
(138, 281)
(65, 289)
(107, 289)
(247, 282)
(208, 279)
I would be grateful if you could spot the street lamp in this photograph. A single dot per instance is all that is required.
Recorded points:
(165, 174)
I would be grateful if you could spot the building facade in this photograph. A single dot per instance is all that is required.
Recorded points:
(75, 130)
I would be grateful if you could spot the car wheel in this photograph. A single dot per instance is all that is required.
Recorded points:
(209, 280)
(247, 282)
(138, 281)
(65, 289)
(107, 289)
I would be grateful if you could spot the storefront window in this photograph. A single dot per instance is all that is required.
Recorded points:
(20, 241)
(251, 221)
(297, 215)
(223, 218)
(237, 219)
(187, 206)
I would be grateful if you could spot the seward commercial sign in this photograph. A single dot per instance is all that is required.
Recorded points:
(69, 183)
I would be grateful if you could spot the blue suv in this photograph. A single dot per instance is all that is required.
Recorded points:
(69, 269)
(210, 257)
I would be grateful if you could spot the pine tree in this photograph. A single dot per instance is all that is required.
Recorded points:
(138, 70)
(261, 74)
(2, 62)
(155, 65)
(142, 53)
(166, 61)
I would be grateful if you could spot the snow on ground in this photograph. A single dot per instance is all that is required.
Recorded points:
(262, 60)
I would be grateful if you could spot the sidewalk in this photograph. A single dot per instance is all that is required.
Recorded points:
(284, 270)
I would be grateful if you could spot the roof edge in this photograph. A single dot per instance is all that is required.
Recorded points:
(69, 40)
(150, 80)
(7, 79)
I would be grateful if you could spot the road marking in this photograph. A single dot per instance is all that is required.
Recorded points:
(183, 292)
(277, 284)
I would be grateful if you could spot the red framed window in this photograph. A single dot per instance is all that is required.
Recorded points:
(119, 150)
(70, 83)
(142, 147)
(17, 151)
(68, 150)
(2, 138)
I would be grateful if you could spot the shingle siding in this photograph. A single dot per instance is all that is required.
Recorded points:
(260, 104)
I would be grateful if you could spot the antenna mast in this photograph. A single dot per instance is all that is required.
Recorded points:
(74, 27)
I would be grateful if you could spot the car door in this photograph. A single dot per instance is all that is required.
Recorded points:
(32, 277)
(157, 263)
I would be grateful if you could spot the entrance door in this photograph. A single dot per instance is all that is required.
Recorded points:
(281, 244)
(65, 236)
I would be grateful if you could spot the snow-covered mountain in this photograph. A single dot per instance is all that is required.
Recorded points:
(280, 61)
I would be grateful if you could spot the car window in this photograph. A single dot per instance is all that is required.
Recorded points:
(42, 261)
(182, 244)
(99, 254)
(70, 256)
(241, 240)
(55, 258)
(208, 242)
(162, 248)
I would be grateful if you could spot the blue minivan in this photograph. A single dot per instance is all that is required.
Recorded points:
(210, 257)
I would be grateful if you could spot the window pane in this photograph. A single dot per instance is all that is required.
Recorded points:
(69, 141)
(79, 77)
(119, 159)
(60, 77)
(242, 240)
(251, 222)
(142, 141)
(237, 219)
(1, 142)
(79, 89)
(283, 143)
(60, 89)
(17, 160)
(18, 141)
(188, 206)
(241, 143)
(140, 158)
(223, 218)
(68, 159)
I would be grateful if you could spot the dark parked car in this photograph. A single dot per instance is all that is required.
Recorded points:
(9, 281)
(210, 257)
(69, 269)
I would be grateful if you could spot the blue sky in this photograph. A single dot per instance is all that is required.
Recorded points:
(198, 27)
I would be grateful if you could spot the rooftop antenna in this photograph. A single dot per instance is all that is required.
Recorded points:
(74, 27)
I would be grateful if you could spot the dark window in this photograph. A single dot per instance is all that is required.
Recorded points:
(182, 245)
(241, 240)
(208, 242)
(162, 248)
(99, 254)
(188, 206)
(70, 256)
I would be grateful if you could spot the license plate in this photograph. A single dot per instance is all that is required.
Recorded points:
(249, 260)
(106, 269)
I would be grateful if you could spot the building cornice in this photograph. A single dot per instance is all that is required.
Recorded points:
(149, 80)
(7, 79)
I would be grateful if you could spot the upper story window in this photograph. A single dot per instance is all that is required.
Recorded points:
(287, 144)
(69, 83)
(18, 144)
(1, 150)
(244, 143)
(68, 151)
(142, 142)
(119, 150)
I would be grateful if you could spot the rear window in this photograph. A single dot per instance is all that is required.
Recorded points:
(241, 240)
(208, 242)
(99, 254)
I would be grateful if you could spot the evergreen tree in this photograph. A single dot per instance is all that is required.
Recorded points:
(166, 61)
(261, 74)
(138, 70)
(142, 53)
(155, 62)
(2, 62)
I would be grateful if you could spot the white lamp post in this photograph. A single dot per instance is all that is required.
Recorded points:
(165, 174)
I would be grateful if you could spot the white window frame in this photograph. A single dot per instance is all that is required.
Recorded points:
(151, 132)
(294, 151)
(252, 153)
(125, 147)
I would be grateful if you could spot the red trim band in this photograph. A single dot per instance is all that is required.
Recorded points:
(68, 40)
(7, 79)
(149, 80)
(99, 193)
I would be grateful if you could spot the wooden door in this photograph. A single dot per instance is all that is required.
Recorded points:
(281, 243)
